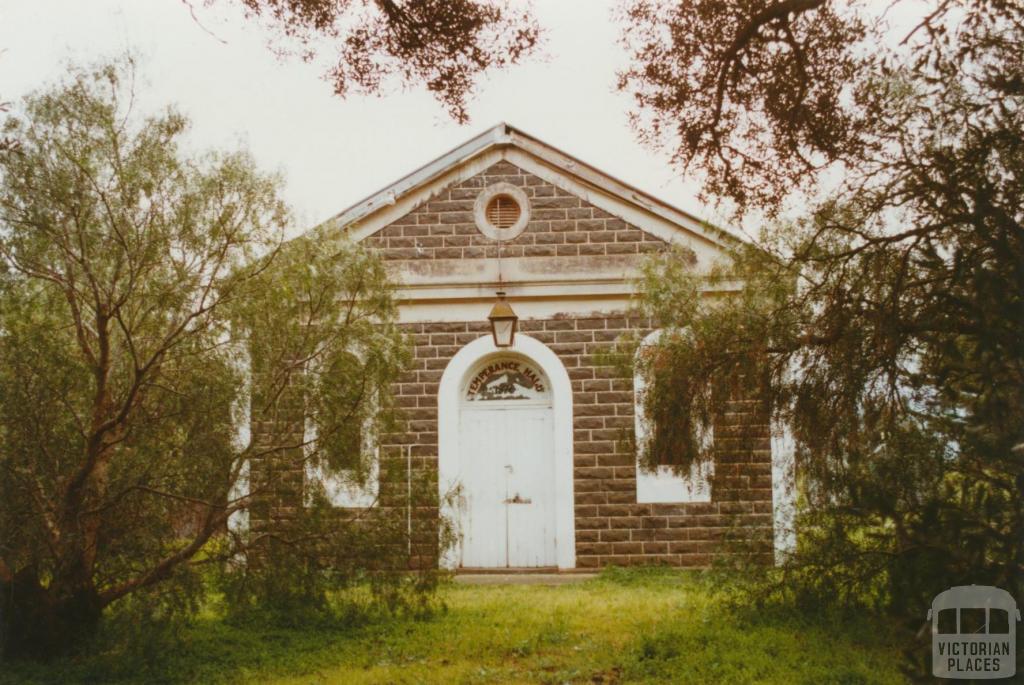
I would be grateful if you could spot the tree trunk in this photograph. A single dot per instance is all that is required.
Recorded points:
(39, 622)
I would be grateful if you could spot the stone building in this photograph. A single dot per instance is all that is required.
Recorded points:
(525, 441)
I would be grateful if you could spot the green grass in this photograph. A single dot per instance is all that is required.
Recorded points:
(623, 627)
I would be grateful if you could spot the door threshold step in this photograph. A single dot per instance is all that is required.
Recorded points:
(515, 570)
(522, 578)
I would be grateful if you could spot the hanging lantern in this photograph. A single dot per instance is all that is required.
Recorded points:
(503, 322)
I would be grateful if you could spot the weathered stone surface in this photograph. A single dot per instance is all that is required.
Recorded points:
(611, 528)
(565, 236)
(560, 224)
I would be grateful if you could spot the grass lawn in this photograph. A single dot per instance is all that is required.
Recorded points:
(623, 627)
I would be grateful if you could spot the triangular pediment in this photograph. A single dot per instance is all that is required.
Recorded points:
(504, 143)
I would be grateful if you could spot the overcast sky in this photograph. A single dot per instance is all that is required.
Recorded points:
(333, 152)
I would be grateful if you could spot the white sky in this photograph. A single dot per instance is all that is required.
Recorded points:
(333, 152)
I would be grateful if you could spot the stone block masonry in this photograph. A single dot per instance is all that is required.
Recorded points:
(561, 225)
(611, 527)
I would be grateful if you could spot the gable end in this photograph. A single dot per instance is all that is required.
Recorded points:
(561, 224)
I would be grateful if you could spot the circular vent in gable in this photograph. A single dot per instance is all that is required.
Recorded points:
(501, 211)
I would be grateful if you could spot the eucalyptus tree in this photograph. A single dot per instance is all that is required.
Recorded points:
(882, 315)
(134, 280)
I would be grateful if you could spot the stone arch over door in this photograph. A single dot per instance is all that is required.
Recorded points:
(450, 404)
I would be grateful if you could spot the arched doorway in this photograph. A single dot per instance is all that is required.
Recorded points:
(505, 446)
(506, 455)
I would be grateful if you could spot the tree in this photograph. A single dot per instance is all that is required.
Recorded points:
(133, 282)
(6, 144)
(883, 305)
(444, 44)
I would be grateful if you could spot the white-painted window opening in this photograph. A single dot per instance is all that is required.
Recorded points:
(343, 487)
(347, 487)
(662, 484)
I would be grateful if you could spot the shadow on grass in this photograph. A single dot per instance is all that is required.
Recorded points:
(215, 649)
(638, 625)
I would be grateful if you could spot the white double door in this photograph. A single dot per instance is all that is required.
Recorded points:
(506, 458)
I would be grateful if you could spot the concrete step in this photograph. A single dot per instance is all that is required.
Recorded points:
(531, 578)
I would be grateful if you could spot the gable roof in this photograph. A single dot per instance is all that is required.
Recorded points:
(504, 136)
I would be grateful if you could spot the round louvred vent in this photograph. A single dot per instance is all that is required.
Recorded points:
(503, 211)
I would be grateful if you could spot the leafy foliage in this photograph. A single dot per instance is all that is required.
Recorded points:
(305, 568)
(442, 44)
(884, 325)
(135, 283)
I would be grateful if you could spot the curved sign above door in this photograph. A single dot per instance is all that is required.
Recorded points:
(507, 378)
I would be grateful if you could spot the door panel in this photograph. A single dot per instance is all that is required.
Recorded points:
(506, 459)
